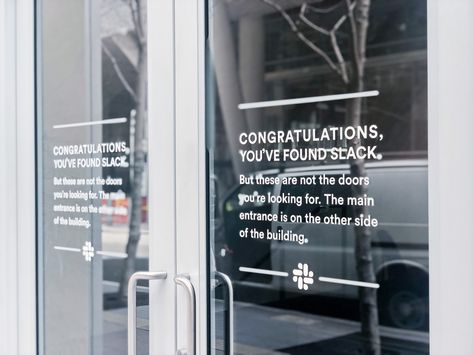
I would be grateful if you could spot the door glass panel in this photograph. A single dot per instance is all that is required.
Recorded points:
(92, 171)
(317, 138)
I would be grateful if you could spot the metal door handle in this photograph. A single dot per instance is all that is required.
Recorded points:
(183, 280)
(141, 275)
(229, 320)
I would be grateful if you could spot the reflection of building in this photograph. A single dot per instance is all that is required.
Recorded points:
(119, 75)
(117, 102)
(396, 66)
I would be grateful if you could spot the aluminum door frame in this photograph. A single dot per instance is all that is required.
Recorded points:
(162, 174)
(191, 163)
(176, 30)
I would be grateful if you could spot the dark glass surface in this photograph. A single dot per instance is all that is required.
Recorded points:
(263, 50)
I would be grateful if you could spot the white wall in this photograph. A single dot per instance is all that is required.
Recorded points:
(451, 175)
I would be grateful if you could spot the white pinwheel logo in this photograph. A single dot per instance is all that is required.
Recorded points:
(303, 276)
(88, 251)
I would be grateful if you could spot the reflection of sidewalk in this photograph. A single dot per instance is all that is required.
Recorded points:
(261, 330)
(115, 331)
(289, 332)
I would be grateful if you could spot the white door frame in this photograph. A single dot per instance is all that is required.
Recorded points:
(162, 186)
(17, 178)
(176, 47)
(190, 165)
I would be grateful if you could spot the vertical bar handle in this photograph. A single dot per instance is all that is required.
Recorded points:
(229, 331)
(183, 280)
(141, 275)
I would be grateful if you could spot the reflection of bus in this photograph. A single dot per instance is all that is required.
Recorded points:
(399, 242)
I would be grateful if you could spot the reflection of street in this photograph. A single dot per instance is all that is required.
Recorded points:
(115, 237)
(115, 331)
(258, 328)
(285, 332)
(114, 240)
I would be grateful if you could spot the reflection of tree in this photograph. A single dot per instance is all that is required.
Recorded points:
(356, 18)
(138, 94)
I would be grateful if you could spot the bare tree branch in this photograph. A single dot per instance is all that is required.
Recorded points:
(303, 38)
(135, 8)
(323, 11)
(119, 72)
(139, 8)
(309, 23)
(138, 12)
(358, 16)
(336, 48)
(338, 54)
(354, 32)
(333, 37)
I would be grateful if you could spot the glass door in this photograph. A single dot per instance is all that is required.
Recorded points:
(283, 158)
(105, 177)
(261, 164)
(316, 130)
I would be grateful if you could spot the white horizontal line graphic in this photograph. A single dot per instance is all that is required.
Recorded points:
(77, 250)
(112, 254)
(98, 252)
(263, 271)
(307, 100)
(393, 224)
(348, 282)
(92, 123)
